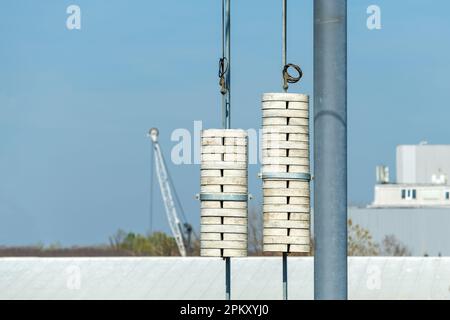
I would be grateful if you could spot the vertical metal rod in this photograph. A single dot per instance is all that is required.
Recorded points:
(228, 59)
(330, 149)
(224, 111)
(224, 99)
(285, 277)
(227, 104)
(228, 278)
(284, 40)
(223, 28)
(284, 62)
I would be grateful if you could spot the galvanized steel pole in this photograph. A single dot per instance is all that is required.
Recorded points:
(330, 149)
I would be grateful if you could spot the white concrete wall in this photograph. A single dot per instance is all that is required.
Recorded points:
(416, 164)
(432, 160)
(406, 164)
(203, 278)
(390, 195)
(422, 230)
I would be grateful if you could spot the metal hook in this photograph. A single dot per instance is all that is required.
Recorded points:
(223, 68)
(288, 78)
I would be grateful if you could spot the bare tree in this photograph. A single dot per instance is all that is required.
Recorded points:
(391, 246)
(360, 242)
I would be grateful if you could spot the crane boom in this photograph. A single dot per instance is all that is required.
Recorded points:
(166, 193)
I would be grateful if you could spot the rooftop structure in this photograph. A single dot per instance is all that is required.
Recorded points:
(422, 178)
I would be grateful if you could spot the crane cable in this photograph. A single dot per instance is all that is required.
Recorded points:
(152, 175)
(177, 199)
(152, 183)
(287, 77)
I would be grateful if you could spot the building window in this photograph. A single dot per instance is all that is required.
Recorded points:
(409, 194)
(447, 195)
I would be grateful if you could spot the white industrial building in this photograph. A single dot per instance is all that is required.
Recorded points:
(416, 207)
(422, 178)
(424, 231)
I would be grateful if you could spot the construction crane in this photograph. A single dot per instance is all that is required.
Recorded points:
(181, 231)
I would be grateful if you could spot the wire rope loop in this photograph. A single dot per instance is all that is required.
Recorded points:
(223, 68)
(288, 78)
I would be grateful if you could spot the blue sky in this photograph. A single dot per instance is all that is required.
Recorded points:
(75, 105)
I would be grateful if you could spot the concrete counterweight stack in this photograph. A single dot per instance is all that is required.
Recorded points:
(224, 193)
(286, 173)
